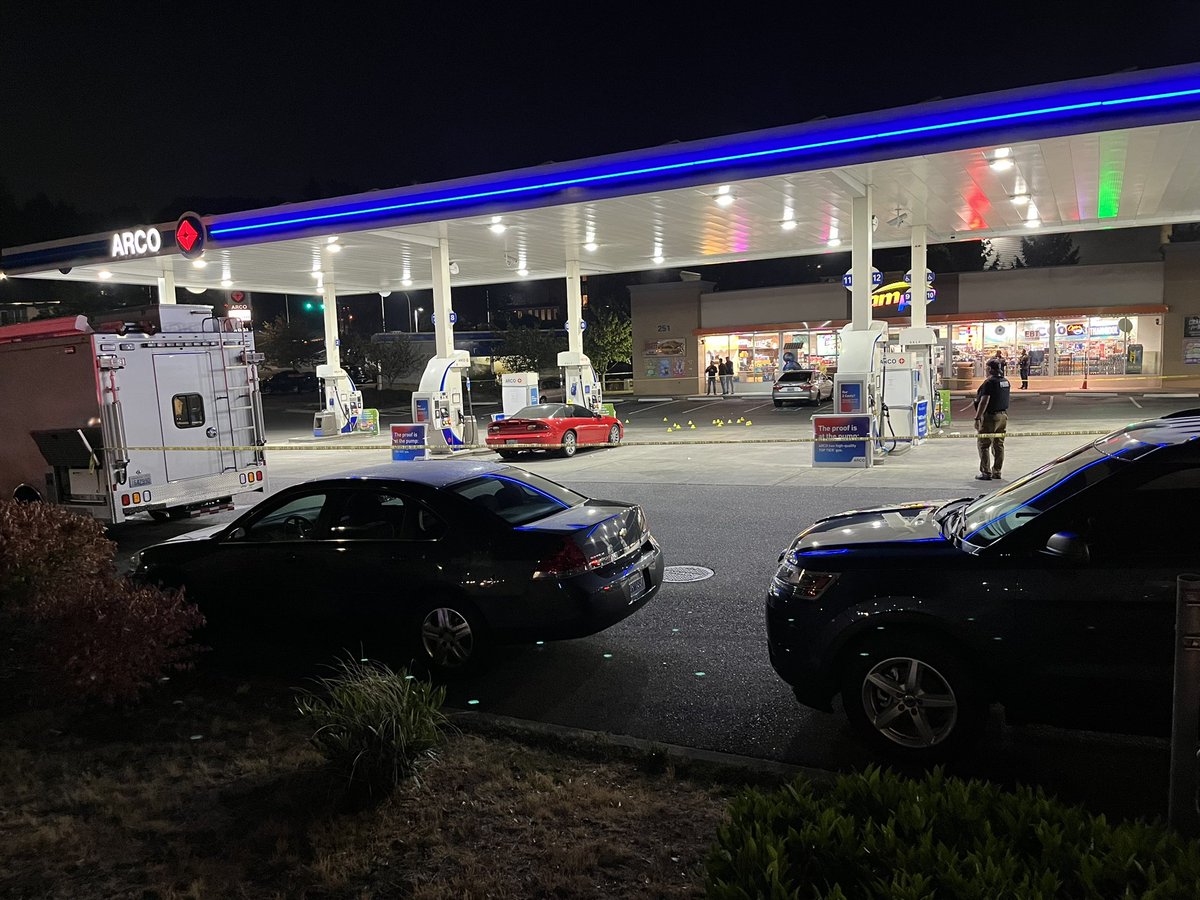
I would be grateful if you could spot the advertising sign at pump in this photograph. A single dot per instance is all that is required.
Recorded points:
(852, 451)
(408, 442)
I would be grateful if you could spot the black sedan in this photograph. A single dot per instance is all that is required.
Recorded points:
(1053, 596)
(290, 382)
(438, 558)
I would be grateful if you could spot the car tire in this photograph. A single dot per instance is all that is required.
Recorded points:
(508, 454)
(778, 404)
(614, 434)
(449, 638)
(570, 443)
(912, 698)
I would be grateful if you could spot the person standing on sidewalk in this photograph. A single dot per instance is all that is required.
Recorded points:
(729, 376)
(711, 372)
(991, 418)
(1023, 365)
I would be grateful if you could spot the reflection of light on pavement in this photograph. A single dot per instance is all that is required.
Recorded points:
(698, 674)
(472, 703)
(608, 656)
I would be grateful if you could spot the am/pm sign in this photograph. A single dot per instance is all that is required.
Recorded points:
(842, 442)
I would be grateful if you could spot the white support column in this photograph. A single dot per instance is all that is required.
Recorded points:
(860, 261)
(443, 330)
(919, 285)
(574, 308)
(333, 355)
(166, 286)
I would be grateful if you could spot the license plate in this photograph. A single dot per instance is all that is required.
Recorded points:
(512, 441)
(637, 586)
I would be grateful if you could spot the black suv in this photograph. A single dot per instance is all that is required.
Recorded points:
(1053, 595)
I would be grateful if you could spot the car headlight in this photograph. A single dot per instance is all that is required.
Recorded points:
(803, 582)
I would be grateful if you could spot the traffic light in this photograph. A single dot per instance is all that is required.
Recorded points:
(309, 306)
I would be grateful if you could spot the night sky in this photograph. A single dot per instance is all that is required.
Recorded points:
(107, 106)
(130, 115)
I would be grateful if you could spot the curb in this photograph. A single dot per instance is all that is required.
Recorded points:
(573, 739)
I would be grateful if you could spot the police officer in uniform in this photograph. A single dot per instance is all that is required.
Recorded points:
(991, 417)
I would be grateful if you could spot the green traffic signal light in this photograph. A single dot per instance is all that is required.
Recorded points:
(308, 305)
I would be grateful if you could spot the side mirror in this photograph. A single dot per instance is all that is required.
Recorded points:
(1067, 546)
(238, 534)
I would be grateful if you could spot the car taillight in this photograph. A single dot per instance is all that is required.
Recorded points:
(568, 560)
(537, 426)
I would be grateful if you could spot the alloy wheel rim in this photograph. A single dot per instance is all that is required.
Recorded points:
(569, 443)
(614, 435)
(909, 702)
(447, 637)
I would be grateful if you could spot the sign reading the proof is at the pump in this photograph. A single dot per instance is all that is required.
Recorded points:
(408, 442)
(848, 278)
(842, 442)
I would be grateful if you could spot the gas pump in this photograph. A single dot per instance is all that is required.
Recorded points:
(580, 384)
(917, 344)
(858, 383)
(443, 401)
(342, 402)
(517, 391)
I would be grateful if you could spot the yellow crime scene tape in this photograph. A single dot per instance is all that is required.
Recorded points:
(954, 435)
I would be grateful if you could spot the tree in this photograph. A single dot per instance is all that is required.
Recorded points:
(608, 339)
(1047, 250)
(396, 357)
(529, 349)
(285, 344)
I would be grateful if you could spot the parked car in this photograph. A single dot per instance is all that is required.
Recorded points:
(563, 427)
(1053, 595)
(551, 390)
(801, 386)
(290, 381)
(433, 558)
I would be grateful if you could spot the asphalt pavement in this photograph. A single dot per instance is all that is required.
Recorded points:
(691, 667)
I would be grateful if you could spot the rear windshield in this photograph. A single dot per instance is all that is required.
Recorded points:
(518, 501)
(541, 411)
(802, 375)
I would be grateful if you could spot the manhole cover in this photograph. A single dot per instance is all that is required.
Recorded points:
(679, 574)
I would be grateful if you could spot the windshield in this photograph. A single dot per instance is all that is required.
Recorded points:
(994, 515)
(518, 501)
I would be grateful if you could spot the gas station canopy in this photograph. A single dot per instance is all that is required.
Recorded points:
(1110, 152)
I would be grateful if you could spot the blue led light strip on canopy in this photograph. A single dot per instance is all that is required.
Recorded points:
(1114, 100)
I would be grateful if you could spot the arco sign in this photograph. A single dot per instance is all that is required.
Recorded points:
(139, 242)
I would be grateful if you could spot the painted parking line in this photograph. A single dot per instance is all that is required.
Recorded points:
(1135, 403)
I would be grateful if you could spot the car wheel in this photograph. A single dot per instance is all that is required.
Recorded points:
(614, 434)
(569, 444)
(778, 403)
(450, 638)
(508, 454)
(911, 698)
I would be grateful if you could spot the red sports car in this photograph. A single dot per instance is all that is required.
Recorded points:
(563, 427)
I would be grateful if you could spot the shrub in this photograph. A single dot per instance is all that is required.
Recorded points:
(109, 639)
(875, 834)
(376, 726)
(44, 548)
(77, 631)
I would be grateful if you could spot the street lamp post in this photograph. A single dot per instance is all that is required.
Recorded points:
(417, 318)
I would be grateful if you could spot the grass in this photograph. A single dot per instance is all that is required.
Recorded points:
(211, 789)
